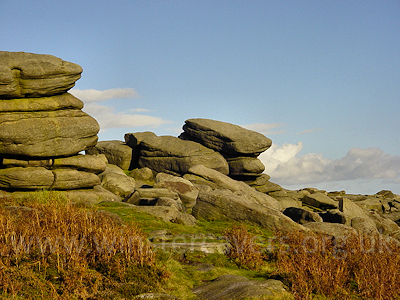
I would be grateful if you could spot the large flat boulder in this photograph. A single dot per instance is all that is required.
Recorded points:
(35, 75)
(332, 229)
(352, 210)
(171, 154)
(245, 166)
(69, 179)
(47, 133)
(37, 178)
(224, 204)
(118, 153)
(225, 137)
(93, 195)
(320, 200)
(31, 178)
(63, 101)
(184, 188)
(119, 184)
(222, 181)
(88, 163)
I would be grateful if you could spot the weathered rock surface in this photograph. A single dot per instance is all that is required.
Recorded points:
(30, 178)
(245, 166)
(46, 133)
(166, 201)
(334, 216)
(57, 102)
(332, 229)
(302, 216)
(110, 168)
(143, 176)
(117, 153)
(167, 153)
(93, 195)
(184, 188)
(320, 200)
(238, 287)
(225, 137)
(224, 204)
(35, 75)
(69, 179)
(133, 140)
(16, 162)
(119, 184)
(352, 210)
(224, 182)
(88, 163)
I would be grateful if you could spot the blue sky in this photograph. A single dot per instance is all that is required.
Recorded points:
(320, 78)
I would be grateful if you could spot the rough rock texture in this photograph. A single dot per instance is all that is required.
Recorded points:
(226, 137)
(88, 163)
(133, 140)
(238, 145)
(69, 179)
(42, 127)
(332, 229)
(224, 182)
(93, 195)
(184, 188)
(47, 133)
(352, 210)
(334, 216)
(117, 153)
(245, 166)
(302, 216)
(35, 75)
(119, 184)
(224, 204)
(320, 200)
(30, 178)
(62, 101)
(238, 287)
(167, 153)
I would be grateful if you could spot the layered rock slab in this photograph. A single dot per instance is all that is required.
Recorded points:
(117, 152)
(46, 133)
(224, 204)
(35, 75)
(225, 137)
(42, 127)
(168, 153)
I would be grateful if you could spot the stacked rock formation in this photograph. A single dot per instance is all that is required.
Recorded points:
(42, 127)
(239, 146)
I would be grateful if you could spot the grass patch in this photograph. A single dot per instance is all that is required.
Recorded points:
(52, 249)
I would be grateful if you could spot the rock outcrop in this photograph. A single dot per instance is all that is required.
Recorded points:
(42, 126)
(239, 146)
(33, 75)
(173, 155)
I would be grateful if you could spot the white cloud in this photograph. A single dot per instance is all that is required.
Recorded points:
(108, 118)
(92, 95)
(285, 167)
